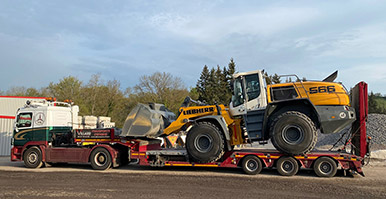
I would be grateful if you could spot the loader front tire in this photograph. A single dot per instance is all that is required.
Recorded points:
(293, 133)
(205, 143)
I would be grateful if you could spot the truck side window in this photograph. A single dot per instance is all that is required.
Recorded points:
(24, 120)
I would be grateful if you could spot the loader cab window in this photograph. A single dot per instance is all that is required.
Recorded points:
(238, 94)
(252, 86)
(24, 120)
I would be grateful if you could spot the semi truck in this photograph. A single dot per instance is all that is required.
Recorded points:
(44, 132)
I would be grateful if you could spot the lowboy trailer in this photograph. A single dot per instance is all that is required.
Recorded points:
(104, 149)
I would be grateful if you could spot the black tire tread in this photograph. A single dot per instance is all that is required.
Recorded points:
(317, 164)
(310, 123)
(222, 146)
(109, 158)
(283, 173)
(260, 165)
(25, 154)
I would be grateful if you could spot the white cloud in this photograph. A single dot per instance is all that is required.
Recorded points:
(373, 74)
(214, 28)
(358, 42)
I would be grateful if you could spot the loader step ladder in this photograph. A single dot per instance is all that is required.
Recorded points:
(254, 124)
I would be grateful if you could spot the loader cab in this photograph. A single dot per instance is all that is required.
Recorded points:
(248, 93)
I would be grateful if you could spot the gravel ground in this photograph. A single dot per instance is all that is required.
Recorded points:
(132, 181)
(376, 128)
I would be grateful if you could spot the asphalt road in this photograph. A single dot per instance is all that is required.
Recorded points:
(80, 181)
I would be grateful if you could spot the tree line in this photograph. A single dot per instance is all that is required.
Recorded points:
(106, 98)
(376, 103)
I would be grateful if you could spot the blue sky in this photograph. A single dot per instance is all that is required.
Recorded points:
(43, 41)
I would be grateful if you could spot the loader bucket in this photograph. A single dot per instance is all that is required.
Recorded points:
(145, 121)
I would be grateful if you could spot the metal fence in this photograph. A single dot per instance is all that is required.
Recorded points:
(6, 128)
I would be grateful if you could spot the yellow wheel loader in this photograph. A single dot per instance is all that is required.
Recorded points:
(290, 114)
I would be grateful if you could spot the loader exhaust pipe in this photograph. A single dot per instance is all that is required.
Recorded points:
(331, 77)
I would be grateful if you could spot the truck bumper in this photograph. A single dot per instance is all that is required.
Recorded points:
(333, 119)
(16, 153)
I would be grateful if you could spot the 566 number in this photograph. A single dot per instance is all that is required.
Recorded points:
(322, 89)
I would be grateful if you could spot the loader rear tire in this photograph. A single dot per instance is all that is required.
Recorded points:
(205, 143)
(293, 133)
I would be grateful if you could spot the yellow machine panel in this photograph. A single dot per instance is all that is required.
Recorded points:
(194, 112)
(319, 93)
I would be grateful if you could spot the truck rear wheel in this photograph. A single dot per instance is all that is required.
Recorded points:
(325, 167)
(293, 133)
(205, 143)
(100, 159)
(252, 165)
(287, 166)
(33, 158)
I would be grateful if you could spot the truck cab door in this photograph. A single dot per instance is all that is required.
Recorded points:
(23, 126)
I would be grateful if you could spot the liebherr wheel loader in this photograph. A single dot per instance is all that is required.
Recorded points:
(290, 114)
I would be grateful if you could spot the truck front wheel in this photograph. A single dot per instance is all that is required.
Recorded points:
(100, 159)
(205, 143)
(33, 158)
(293, 133)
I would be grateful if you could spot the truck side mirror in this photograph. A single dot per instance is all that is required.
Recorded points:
(231, 85)
(16, 126)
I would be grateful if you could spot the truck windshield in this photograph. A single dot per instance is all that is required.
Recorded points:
(238, 96)
(24, 120)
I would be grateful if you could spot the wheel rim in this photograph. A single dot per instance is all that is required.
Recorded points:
(288, 167)
(251, 165)
(325, 168)
(203, 143)
(33, 157)
(292, 134)
(100, 159)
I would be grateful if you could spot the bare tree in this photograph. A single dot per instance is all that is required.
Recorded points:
(161, 88)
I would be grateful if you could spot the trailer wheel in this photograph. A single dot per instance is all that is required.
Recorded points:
(287, 166)
(100, 159)
(33, 158)
(293, 133)
(252, 165)
(205, 143)
(325, 167)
